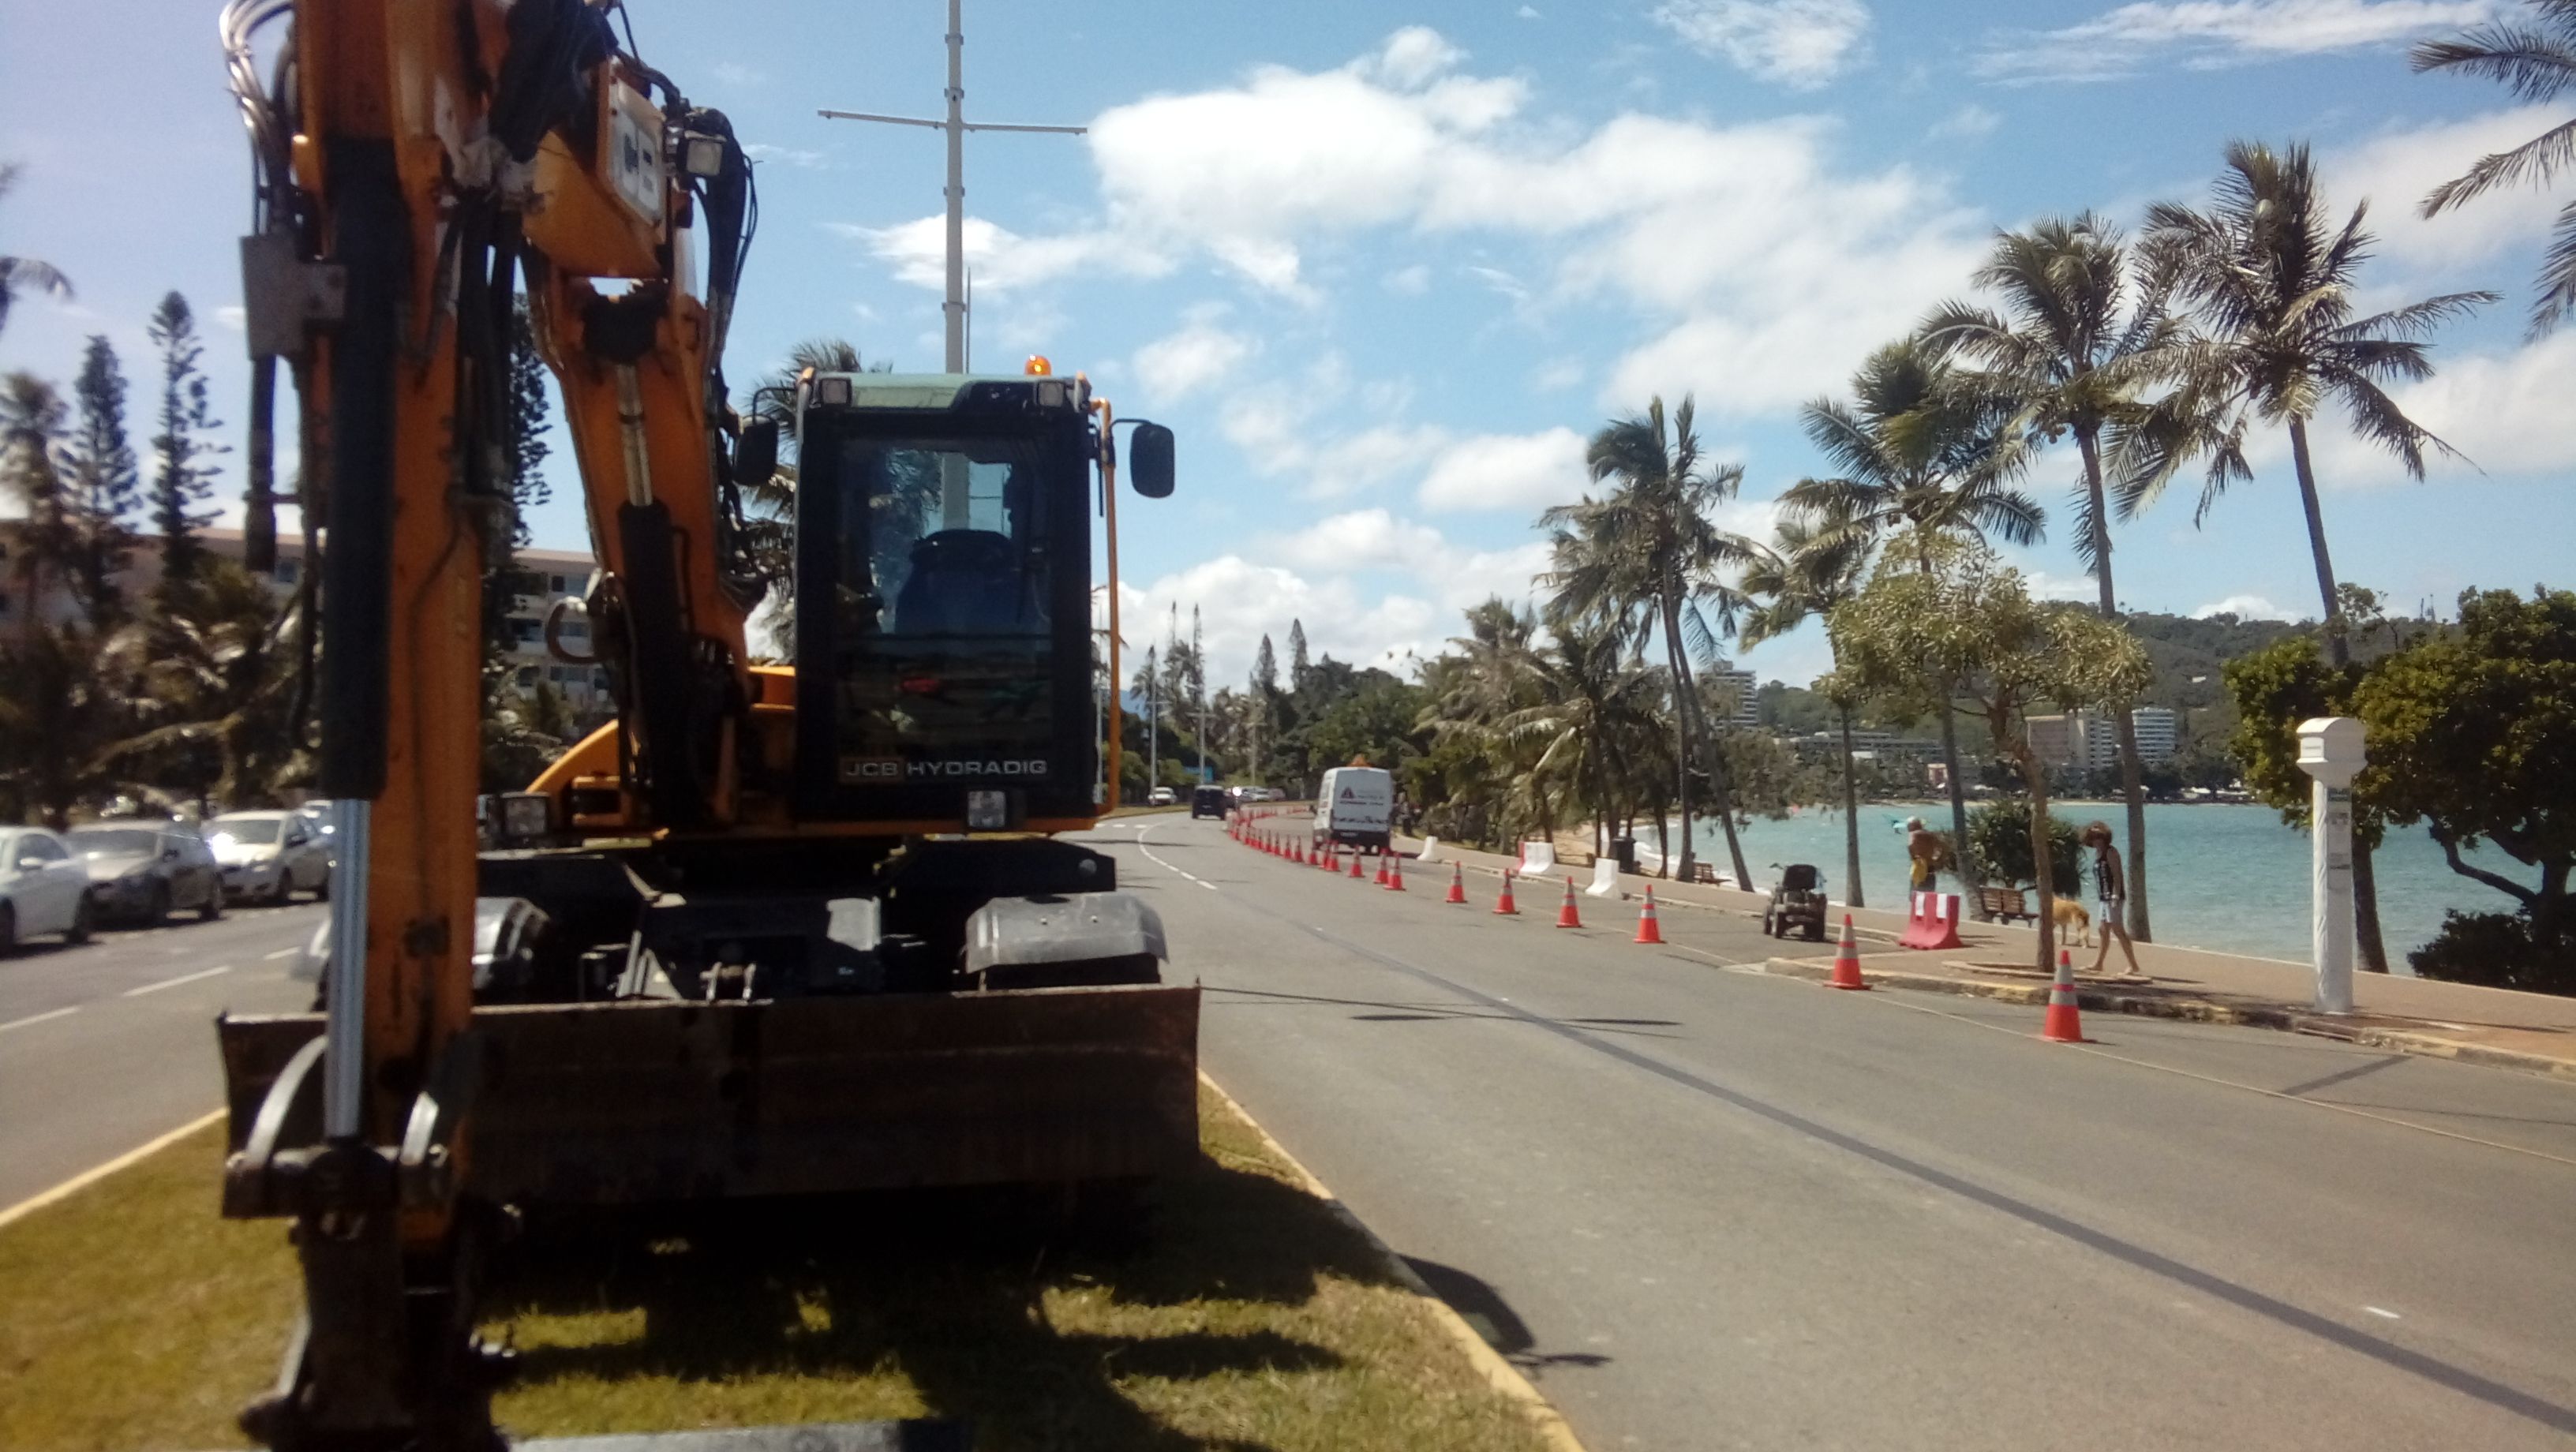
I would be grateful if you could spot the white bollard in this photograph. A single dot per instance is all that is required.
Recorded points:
(2331, 750)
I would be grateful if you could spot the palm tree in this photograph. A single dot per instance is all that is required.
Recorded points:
(25, 272)
(2074, 350)
(1476, 688)
(1809, 568)
(1651, 550)
(2271, 279)
(1596, 697)
(1924, 453)
(2537, 62)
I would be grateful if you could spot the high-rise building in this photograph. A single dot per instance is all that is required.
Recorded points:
(1736, 694)
(2159, 734)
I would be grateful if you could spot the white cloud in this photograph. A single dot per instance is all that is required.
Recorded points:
(1528, 12)
(1967, 123)
(1413, 56)
(1799, 43)
(1002, 260)
(2507, 411)
(1523, 473)
(1199, 355)
(2206, 34)
(2397, 169)
(783, 155)
(1556, 374)
(232, 317)
(1410, 281)
(2245, 607)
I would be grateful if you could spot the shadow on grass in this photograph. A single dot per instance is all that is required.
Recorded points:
(1020, 1313)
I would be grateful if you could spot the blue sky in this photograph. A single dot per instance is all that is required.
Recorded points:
(1383, 268)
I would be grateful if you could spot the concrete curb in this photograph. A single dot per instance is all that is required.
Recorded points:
(2198, 1010)
(1499, 1374)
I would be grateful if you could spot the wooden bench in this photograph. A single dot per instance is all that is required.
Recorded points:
(2006, 904)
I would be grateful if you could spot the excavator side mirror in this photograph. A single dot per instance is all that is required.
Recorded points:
(1149, 460)
(755, 454)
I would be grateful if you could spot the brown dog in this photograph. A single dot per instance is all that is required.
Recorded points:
(2074, 924)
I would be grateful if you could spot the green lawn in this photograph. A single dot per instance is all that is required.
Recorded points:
(130, 1317)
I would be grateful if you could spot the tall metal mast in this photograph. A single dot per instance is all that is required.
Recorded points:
(956, 126)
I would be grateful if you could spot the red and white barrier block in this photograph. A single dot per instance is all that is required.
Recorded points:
(1931, 921)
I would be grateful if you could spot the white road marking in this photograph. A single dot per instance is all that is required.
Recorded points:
(175, 982)
(281, 953)
(1150, 852)
(2376, 1311)
(38, 1018)
(140, 1152)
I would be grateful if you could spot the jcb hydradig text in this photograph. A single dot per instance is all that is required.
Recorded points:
(776, 930)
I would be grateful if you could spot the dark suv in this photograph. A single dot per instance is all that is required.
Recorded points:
(1207, 801)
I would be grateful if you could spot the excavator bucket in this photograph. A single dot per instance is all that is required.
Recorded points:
(625, 1102)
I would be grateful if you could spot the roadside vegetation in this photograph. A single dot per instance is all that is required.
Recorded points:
(1253, 1316)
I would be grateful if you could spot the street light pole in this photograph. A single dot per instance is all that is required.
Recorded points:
(956, 125)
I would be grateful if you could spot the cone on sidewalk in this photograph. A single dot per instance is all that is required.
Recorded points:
(1847, 960)
(1395, 872)
(1504, 904)
(1566, 916)
(2065, 1023)
(1457, 883)
(1356, 874)
(1648, 930)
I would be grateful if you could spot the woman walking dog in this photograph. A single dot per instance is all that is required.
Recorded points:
(2112, 881)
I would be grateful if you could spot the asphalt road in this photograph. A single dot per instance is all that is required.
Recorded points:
(1710, 1209)
(106, 1046)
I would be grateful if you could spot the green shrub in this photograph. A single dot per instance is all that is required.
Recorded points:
(1999, 846)
(2497, 950)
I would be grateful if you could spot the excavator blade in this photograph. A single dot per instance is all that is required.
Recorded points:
(628, 1102)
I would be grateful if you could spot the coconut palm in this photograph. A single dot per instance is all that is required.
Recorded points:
(216, 685)
(25, 272)
(1650, 549)
(1925, 452)
(1596, 700)
(2537, 62)
(1810, 567)
(2081, 339)
(2271, 277)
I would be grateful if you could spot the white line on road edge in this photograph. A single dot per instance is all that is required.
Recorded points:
(1150, 852)
(86, 1178)
(38, 1018)
(2376, 1311)
(175, 982)
(281, 953)
(1501, 1375)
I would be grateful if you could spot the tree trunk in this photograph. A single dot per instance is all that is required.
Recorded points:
(2365, 879)
(1681, 725)
(2042, 870)
(1851, 820)
(1723, 800)
(1962, 863)
(2132, 773)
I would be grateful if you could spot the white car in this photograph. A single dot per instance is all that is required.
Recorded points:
(1160, 797)
(43, 888)
(269, 855)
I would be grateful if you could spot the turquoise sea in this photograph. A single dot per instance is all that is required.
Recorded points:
(2232, 878)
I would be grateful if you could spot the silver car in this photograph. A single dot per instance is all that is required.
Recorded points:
(43, 888)
(144, 870)
(269, 856)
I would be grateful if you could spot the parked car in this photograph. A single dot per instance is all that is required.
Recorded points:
(269, 855)
(146, 870)
(1160, 797)
(43, 888)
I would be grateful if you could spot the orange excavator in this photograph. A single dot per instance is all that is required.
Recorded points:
(775, 930)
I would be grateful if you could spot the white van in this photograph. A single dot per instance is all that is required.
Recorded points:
(1355, 805)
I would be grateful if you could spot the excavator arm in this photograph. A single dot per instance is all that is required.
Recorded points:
(416, 157)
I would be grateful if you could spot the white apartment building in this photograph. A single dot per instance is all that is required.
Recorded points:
(2081, 738)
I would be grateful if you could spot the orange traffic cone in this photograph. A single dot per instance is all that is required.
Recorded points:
(1504, 904)
(1847, 960)
(1566, 917)
(1381, 869)
(1330, 858)
(1648, 930)
(2064, 1024)
(1457, 883)
(1395, 873)
(1356, 874)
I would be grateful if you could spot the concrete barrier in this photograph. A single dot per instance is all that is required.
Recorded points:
(1430, 850)
(1605, 878)
(1537, 859)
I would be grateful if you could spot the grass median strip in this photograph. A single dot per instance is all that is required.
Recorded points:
(131, 1317)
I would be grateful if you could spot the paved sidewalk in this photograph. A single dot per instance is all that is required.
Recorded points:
(2532, 1032)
